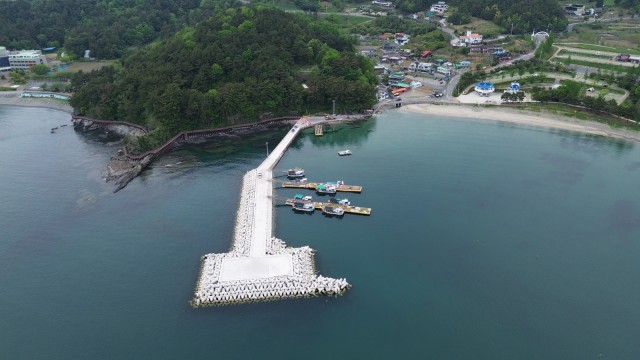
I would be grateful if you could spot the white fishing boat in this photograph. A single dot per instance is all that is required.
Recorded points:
(300, 197)
(302, 206)
(339, 201)
(295, 173)
(332, 211)
(344, 152)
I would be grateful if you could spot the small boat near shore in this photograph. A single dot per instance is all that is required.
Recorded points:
(332, 211)
(344, 152)
(295, 173)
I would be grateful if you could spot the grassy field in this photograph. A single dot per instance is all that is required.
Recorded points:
(593, 47)
(610, 67)
(481, 27)
(616, 36)
(565, 52)
(347, 21)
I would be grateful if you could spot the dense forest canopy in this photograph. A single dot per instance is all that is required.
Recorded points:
(525, 15)
(238, 66)
(106, 27)
(628, 4)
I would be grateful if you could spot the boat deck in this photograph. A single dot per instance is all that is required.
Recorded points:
(313, 185)
(358, 210)
(319, 129)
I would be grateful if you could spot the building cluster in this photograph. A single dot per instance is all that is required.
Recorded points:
(20, 60)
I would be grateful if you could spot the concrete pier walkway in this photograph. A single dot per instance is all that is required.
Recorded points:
(260, 267)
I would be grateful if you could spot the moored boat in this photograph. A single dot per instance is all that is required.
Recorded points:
(301, 197)
(303, 206)
(295, 173)
(332, 210)
(344, 152)
(340, 201)
(325, 189)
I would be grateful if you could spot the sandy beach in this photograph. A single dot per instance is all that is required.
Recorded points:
(527, 118)
(35, 102)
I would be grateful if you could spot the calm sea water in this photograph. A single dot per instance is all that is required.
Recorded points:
(487, 241)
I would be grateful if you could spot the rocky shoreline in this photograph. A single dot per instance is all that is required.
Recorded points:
(121, 169)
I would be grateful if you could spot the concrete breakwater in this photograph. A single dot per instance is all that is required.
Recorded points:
(258, 266)
(218, 285)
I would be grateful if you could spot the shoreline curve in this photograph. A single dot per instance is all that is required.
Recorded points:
(52, 104)
(524, 118)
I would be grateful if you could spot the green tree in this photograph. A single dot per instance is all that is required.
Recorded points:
(40, 69)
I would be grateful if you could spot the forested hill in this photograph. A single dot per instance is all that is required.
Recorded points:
(525, 15)
(239, 66)
(106, 27)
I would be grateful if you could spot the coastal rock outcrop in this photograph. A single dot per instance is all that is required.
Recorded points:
(121, 170)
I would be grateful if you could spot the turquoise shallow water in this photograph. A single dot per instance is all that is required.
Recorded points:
(487, 241)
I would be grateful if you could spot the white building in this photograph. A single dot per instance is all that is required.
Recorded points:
(443, 70)
(25, 59)
(422, 66)
(471, 38)
(387, 4)
(440, 8)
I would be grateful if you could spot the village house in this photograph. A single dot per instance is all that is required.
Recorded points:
(471, 38)
(390, 47)
(402, 38)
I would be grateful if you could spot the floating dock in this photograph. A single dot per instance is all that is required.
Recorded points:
(358, 210)
(319, 129)
(313, 185)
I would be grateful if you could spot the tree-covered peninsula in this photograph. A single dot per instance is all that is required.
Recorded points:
(239, 66)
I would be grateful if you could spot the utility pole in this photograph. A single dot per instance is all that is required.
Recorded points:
(511, 29)
(334, 107)
(267, 145)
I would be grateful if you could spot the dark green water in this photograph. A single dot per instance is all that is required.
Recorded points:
(487, 241)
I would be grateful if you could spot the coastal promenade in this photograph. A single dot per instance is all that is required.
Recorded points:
(260, 267)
